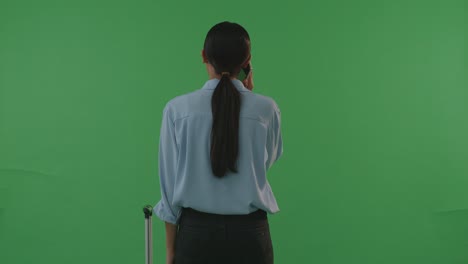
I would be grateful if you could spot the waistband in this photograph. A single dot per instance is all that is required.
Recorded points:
(192, 215)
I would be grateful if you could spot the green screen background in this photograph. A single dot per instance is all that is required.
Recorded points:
(374, 108)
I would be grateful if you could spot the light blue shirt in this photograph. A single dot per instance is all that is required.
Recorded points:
(185, 174)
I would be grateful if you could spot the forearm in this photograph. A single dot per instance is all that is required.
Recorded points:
(171, 231)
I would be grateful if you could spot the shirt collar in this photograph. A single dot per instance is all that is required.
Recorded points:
(211, 85)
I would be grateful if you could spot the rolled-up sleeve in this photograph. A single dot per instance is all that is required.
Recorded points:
(274, 139)
(168, 153)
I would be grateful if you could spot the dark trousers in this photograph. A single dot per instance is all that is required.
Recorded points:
(223, 239)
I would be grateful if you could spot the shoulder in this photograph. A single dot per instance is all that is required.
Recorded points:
(183, 98)
(181, 106)
(179, 101)
(266, 103)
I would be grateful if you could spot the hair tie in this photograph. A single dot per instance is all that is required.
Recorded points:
(225, 73)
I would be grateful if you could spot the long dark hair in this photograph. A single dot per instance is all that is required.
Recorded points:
(227, 46)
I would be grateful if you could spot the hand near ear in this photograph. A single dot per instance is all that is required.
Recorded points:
(248, 82)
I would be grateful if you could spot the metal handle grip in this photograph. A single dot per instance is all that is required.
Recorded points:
(148, 210)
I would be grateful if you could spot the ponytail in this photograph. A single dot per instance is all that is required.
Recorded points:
(226, 48)
(225, 108)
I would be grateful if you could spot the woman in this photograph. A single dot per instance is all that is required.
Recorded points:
(216, 145)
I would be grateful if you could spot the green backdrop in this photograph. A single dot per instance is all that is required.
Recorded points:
(374, 105)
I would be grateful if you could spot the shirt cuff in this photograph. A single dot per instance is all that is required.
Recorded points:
(164, 213)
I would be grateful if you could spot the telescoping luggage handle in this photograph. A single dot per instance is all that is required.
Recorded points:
(148, 210)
